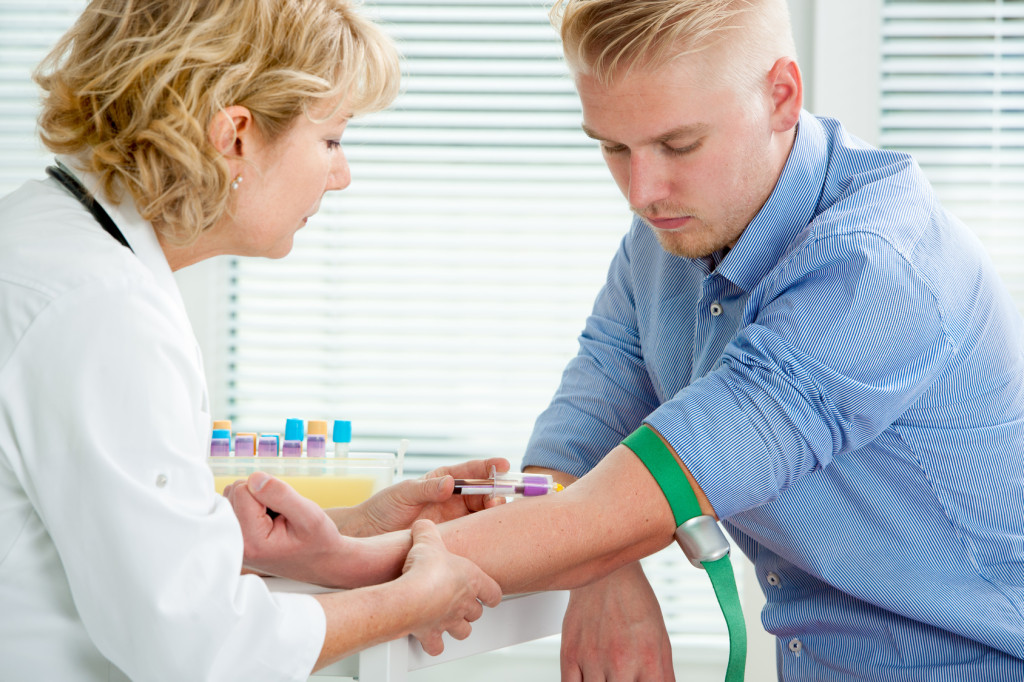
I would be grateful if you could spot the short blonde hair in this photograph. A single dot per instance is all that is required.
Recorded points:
(607, 38)
(133, 86)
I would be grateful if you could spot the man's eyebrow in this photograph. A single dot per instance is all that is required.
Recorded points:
(688, 130)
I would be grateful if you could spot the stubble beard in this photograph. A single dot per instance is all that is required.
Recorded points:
(698, 239)
(706, 235)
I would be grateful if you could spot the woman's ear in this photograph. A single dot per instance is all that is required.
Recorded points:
(231, 131)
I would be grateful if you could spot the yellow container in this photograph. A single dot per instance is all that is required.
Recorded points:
(328, 481)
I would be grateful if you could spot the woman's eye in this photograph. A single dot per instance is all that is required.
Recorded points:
(333, 144)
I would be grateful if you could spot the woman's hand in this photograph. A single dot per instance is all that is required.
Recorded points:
(430, 497)
(448, 591)
(301, 542)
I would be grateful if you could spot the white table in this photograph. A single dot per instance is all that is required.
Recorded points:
(519, 618)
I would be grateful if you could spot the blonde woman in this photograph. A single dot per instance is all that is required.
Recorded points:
(184, 129)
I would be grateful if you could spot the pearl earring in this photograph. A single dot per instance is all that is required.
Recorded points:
(236, 182)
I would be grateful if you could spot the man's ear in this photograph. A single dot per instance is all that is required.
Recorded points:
(786, 90)
(231, 131)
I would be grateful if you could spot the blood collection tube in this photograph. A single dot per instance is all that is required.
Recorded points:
(316, 438)
(220, 443)
(292, 446)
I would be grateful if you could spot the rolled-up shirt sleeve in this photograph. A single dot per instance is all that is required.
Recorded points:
(824, 365)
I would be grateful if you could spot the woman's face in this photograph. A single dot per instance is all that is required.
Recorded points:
(283, 182)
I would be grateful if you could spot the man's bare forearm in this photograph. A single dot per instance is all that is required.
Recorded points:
(614, 515)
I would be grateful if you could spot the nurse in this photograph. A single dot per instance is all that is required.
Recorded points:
(184, 129)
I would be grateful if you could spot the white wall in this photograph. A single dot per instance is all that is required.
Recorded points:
(843, 44)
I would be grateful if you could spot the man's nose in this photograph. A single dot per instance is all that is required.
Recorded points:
(648, 180)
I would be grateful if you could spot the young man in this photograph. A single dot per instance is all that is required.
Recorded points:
(829, 354)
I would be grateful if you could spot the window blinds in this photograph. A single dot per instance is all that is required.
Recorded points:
(27, 32)
(952, 94)
(439, 296)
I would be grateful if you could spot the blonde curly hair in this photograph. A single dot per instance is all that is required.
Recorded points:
(132, 87)
(607, 38)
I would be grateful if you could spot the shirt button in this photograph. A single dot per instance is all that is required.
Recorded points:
(716, 308)
(773, 579)
(796, 646)
(161, 481)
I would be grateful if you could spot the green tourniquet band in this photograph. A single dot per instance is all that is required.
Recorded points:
(724, 582)
(664, 467)
(648, 446)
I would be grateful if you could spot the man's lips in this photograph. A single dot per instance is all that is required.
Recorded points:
(668, 223)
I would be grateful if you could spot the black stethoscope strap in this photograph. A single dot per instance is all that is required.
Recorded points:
(75, 188)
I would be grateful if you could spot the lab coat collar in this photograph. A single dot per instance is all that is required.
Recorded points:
(138, 231)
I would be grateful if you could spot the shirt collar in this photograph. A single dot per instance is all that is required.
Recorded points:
(788, 211)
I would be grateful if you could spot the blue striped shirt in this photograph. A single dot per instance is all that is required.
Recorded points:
(847, 386)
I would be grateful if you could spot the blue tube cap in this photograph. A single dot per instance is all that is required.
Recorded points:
(293, 429)
(342, 431)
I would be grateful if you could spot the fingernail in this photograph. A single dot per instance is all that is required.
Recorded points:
(257, 480)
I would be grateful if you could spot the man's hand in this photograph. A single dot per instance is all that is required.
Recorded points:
(398, 506)
(301, 542)
(450, 591)
(613, 630)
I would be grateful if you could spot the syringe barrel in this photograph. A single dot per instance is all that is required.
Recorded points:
(529, 485)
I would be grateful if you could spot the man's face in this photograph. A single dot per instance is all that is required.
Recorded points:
(695, 160)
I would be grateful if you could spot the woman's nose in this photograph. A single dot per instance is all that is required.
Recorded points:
(340, 175)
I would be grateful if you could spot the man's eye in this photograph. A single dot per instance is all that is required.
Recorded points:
(683, 150)
(613, 148)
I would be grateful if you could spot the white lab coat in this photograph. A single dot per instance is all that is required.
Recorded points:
(117, 558)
